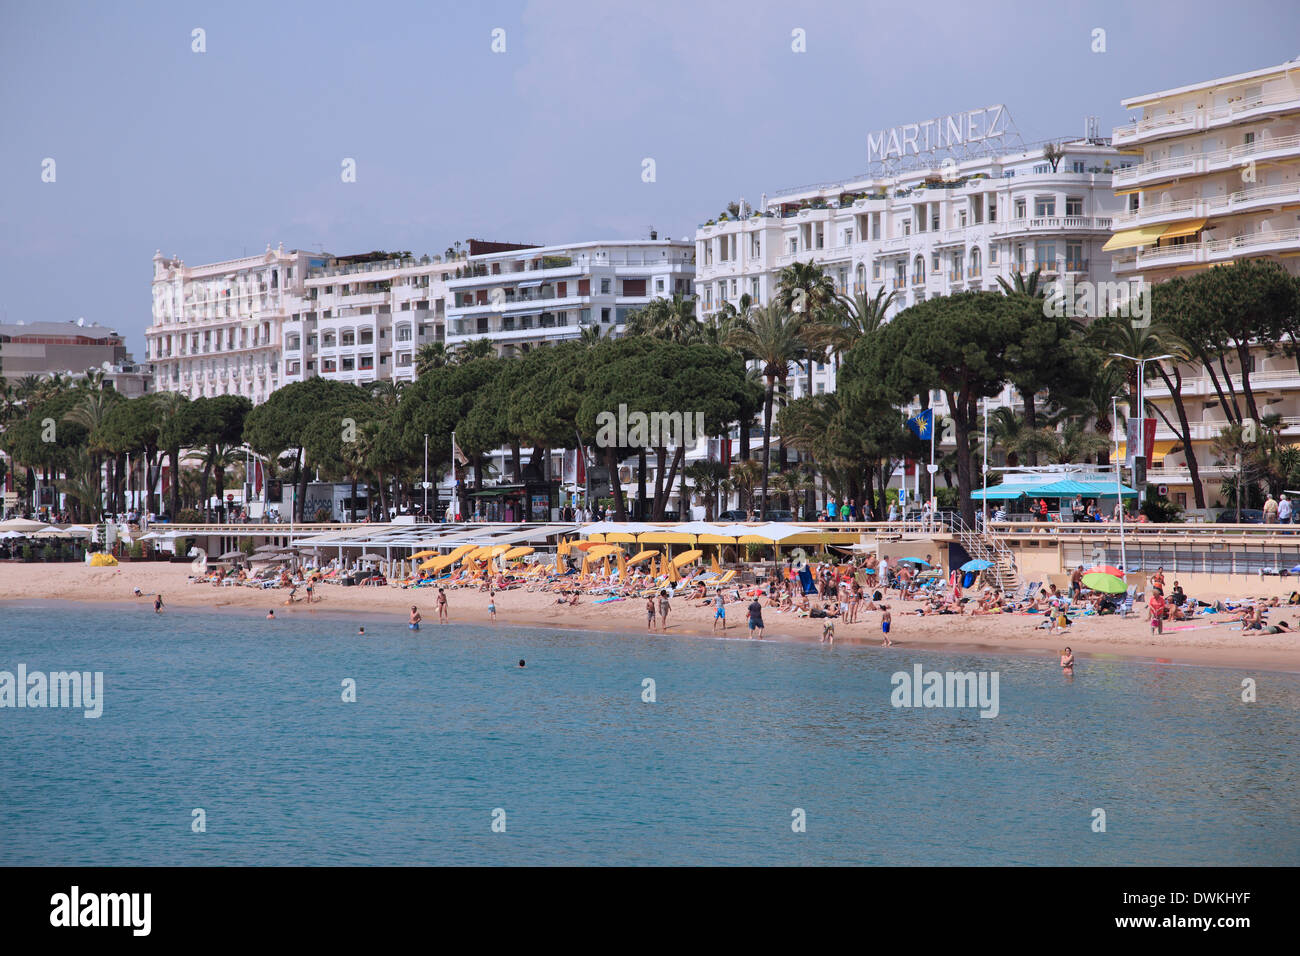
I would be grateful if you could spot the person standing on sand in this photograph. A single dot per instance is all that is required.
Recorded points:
(885, 620)
(650, 613)
(492, 605)
(443, 617)
(1156, 612)
(664, 606)
(720, 611)
(414, 623)
(309, 586)
(755, 618)
(1076, 582)
(157, 603)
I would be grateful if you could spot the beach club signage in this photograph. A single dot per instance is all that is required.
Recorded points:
(945, 133)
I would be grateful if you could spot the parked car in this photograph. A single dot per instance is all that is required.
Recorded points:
(1248, 516)
(734, 516)
(771, 514)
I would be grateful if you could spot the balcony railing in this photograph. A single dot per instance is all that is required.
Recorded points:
(1205, 162)
(1241, 200)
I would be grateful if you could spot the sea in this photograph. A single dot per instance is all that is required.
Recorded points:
(224, 738)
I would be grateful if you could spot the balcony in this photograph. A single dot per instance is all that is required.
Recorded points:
(1243, 200)
(1038, 224)
(1221, 250)
(1177, 123)
(1199, 163)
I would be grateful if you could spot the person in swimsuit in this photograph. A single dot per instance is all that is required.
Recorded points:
(664, 605)
(442, 606)
(1156, 613)
(492, 607)
(650, 613)
(720, 611)
(309, 586)
(270, 615)
(1279, 628)
(415, 618)
(361, 632)
(828, 631)
(755, 618)
(1067, 661)
(157, 604)
(885, 619)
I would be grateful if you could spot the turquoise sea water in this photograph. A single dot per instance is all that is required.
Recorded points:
(243, 718)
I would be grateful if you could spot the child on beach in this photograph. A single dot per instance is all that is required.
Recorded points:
(158, 604)
(720, 612)
(828, 631)
(650, 613)
(1156, 613)
(492, 607)
(885, 620)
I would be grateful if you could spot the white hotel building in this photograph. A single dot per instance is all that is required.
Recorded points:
(922, 233)
(1218, 180)
(523, 297)
(216, 328)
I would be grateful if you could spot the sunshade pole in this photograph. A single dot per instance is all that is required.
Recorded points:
(1119, 487)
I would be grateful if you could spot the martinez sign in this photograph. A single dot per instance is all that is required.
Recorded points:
(946, 132)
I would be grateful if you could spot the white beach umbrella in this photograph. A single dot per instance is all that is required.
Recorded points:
(23, 525)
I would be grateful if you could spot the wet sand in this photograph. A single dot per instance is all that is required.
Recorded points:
(1224, 644)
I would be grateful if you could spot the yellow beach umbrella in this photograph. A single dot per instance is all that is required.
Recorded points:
(423, 554)
(643, 556)
(714, 566)
(686, 557)
(622, 565)
(518, 553)
(597, 537)
(603, 551)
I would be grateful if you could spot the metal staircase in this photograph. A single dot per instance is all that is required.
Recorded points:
(987, 546)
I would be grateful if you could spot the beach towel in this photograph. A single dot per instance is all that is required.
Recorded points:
(806, 579)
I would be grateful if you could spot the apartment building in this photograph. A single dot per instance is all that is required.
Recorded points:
(363, 318)
(927, 232)
(1217, 179)
(217, 328)
(523, 297)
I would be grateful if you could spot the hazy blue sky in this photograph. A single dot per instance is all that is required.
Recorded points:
(214, 155)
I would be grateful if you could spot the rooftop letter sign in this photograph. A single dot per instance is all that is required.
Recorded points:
(949, 133)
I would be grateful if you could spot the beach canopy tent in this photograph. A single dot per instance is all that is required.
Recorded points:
(1050, 486)
(23, 525)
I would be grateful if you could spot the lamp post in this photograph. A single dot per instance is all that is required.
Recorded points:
(426, 476)
(985, 528)
(1140, 412)
(1119, 485)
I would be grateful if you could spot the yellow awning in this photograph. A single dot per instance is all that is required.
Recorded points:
(715, 539)
(686, 557)
(1131, 238)
(665, 537)
(1130, 191)
(1159, 448)
(1183, 229)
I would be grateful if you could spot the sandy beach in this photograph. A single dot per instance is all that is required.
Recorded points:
(1200, 643)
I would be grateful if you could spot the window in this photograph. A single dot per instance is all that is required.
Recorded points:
(875, 269)
(918, 273)
(753, 289)
(934, 261)
(1074, 205)
(793, 246)
(605, 315)
(1077, 166)
(1045, 255)
(1043, 168)
(605, 286)
(907, 227)
(659, 284)
(734, 283)
(1044, 206)
(961, 218)
(1020, 209)
(993, 208)
(1247, 139)
(975, 261)
(1074, 257)
(755, 245)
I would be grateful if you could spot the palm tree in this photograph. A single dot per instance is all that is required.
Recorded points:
(772, 337)
(1024, 284)
(473, 349)
(803, 288)
(430, 356)
(707, 477)
(673, 319)
(592, 334)
(852, 318)
(90, 412)
(744, 475)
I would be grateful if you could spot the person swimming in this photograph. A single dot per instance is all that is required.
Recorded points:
(361, 631)
(521, 662)
(270, 615)
(158, 604)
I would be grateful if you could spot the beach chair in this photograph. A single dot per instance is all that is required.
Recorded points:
(1126, 606)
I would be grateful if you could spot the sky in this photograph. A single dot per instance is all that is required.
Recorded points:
(216, 154)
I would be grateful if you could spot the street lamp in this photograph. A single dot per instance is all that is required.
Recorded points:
(1140, 412)
(426, 476)
(1119, 485)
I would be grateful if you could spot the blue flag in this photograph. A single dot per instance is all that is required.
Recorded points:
(923, 424)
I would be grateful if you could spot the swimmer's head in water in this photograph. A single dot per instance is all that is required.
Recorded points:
(521, 663)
